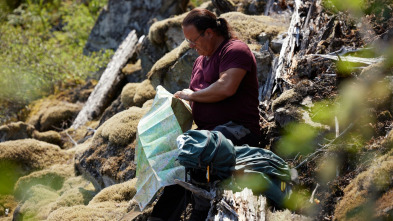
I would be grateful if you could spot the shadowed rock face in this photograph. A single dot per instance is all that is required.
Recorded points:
(109, 159)
(120, 17)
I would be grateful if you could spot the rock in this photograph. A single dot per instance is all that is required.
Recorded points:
(35, 205)
(115, 107)
(287, 97)
(133, 72)
(118, 18)
(54, 115)
(263, 38)
(284, 116)
(167, 32)
(110, 157)
(173, 71)
(97, 211)
(149, 54)
(144, 91)
(127, 94)
(277, 42)
(249, 27)
(122, 192)
(20, 157)
(50, 136)
(368, 196)
(52, 177)
(16, 131)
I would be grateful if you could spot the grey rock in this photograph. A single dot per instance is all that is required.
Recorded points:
(277, 42)
(264, 63)
(120, 17)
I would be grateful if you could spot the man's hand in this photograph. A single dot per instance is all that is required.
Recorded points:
(185, 94)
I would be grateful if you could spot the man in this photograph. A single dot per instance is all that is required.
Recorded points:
(223, 94)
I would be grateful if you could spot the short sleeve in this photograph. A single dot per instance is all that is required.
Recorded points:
(236, 55)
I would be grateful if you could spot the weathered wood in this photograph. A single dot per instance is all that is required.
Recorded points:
(288, 48)
(244, 203)
(98, 98)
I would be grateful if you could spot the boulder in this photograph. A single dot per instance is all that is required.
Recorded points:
(144, 92)
(173, 70)
(35, 206)
(127, 94)
(52, 177)
(118, 18)
(110, 158)
(133, 72)
(99, 211)
(53, 115)
(122, 192)
(20, 157)
(369, 195)
(16, 131)
(49, 136)
(110, 203)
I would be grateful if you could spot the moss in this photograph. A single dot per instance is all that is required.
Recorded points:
(170, 58)
(50, 136)
(97, 211)
(248, 27)
(128, 93)
(59, 116)
(285, 215)
(120, 130)
(32, 153)
(132, 68)
(158, 29)
(52, 177)
(16, 130)
(145, 91)
(74, 197)
(122, 192)
(36, 203)
(7, 202)
(367, 188)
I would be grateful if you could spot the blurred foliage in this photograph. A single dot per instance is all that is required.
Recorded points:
(41, 46)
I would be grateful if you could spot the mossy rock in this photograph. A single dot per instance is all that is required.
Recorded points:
(16, 131)
(21, 157)
(36, 205)
(98, 211)
(52, 177)
(128, 93)
(109, 159)
(368, 196)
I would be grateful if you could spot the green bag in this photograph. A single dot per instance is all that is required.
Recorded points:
(200, 149)
(264, 172)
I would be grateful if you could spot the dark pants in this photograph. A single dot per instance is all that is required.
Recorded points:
(174, 199)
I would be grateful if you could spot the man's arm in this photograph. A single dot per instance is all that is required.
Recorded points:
(224, 87)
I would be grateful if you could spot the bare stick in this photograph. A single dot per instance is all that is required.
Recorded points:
(313, 193)
(72, 140)
(325, 146)
(337, 126)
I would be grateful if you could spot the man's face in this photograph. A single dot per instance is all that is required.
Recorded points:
(200, 41)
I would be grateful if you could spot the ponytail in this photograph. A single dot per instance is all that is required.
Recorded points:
(203, 19)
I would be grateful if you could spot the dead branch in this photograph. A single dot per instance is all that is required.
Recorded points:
(325, 146)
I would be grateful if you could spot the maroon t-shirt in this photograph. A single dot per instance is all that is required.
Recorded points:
(242, 107)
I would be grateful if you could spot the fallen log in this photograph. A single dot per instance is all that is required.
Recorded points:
(108, 81)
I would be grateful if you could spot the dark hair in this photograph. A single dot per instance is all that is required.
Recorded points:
(203, 19)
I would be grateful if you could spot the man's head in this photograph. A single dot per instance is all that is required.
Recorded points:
(203, 31)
